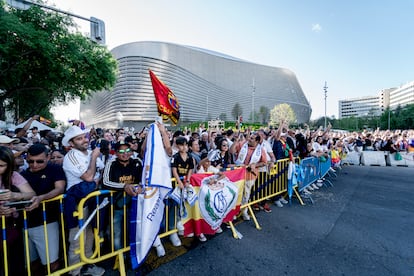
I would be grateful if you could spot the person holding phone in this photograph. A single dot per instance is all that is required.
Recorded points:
(13, 188)
(48, 181)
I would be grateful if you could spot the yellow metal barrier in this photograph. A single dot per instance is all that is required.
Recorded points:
(268, 185)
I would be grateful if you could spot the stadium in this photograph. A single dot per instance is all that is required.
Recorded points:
(207, 84)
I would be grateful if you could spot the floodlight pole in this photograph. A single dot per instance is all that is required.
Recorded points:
(325, 88)
(253, 90)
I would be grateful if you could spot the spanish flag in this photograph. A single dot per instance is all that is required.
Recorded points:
(45, 121)
(167, 103)
(219, 199)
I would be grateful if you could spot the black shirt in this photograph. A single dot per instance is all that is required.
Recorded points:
(43, 182)
(182, 166)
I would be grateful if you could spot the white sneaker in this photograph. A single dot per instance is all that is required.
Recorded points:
(219, 230)
(319, 181)
(160, 250)
(309, 188)
(92, 270)
(319, 184)
(190, 235)
(315, 187)
(202, 238)
(245, 215)
(283, 200)
(180, 228)
(159, 247)
(175, 240)
(278, 203)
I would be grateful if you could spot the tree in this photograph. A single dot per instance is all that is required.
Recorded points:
(282, 112)
(44, 61)
(264, 114)
(236, 111)
(223, 116)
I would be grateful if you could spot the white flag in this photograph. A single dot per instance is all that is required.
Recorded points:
(147, 209)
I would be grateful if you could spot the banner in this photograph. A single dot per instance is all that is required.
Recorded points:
(219, 199)
(147, 209)
(167, 103)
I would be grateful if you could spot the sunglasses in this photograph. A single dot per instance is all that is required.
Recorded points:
(224, 145)
(124, 151)
(35, 161)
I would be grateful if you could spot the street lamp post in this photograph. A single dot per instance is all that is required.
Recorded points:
(97, 31)
(389, 118)
(325, 89)
(207, 106)
(253, 89)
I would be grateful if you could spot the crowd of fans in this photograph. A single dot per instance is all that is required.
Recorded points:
(38, 165)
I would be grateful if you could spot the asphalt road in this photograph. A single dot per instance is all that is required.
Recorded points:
(363, 225)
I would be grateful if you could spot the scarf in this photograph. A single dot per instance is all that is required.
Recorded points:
(243, 153)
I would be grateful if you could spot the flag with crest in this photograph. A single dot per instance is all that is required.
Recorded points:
(167, 103)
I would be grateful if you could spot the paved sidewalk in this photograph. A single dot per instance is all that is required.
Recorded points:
(364, 225)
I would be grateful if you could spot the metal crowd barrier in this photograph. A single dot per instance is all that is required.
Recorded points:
(311, 170)
(324, 170)
(270, 184)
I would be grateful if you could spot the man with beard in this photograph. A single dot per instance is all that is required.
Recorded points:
(82, 168)
(251, 154)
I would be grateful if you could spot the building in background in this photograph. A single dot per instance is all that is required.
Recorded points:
(358, 107)
(402, 95)
(375, 105)
(207, 85)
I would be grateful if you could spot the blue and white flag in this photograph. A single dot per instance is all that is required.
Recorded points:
(147, 209)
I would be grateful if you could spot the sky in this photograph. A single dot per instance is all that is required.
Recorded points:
(357, 47)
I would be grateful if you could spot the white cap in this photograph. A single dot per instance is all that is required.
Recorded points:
(4, 139)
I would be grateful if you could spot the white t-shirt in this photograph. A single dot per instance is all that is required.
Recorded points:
(76, 163)
(268, 149)
(31, 136)
(316, 147)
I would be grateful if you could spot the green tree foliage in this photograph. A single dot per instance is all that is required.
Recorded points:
(400, 118)
(264, 114)
(45, 61)
(223, 116)
(236, 111)
(282, 112)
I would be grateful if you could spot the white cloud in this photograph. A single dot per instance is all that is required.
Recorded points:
(316, 28)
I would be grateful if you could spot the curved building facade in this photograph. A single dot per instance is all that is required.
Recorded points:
(207, 85)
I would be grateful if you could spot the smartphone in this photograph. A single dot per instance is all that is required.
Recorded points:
(19, 205)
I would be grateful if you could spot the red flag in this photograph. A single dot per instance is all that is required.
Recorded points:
(167, 103)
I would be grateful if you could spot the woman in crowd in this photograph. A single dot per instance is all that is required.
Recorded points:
(13, 187)
(56, 157)
(221, 158)
(194, 150)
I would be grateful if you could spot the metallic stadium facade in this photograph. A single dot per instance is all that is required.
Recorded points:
(207, 84)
